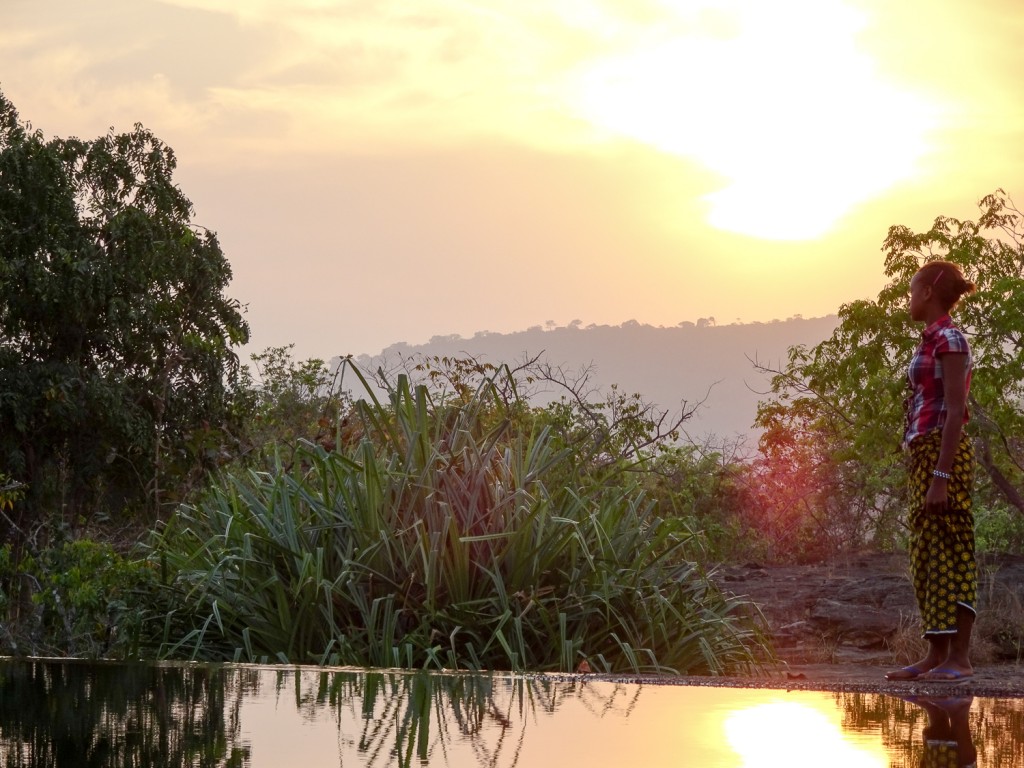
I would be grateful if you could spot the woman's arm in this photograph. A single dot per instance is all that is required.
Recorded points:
(954, 392)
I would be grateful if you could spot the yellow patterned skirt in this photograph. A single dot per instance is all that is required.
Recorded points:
(942, 561)
(942, 754)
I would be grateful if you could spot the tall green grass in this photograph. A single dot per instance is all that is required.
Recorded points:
(454, 534)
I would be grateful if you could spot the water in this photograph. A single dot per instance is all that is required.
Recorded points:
(88, 714)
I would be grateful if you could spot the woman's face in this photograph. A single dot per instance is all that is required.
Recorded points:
(920, 292)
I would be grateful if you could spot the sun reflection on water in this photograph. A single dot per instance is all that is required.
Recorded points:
(798, 734)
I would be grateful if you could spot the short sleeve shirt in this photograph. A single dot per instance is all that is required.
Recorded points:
(925, 406)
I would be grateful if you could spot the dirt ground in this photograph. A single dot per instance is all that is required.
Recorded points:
(840, 626)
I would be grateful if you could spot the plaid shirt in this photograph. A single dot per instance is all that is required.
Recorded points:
(925, 406)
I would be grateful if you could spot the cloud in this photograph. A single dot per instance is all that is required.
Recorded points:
(84, 71)
(815, 93)
(348, 75)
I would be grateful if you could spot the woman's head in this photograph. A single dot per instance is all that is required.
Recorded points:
(941, 282)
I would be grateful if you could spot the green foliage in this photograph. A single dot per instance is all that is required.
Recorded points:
(998, 528)
(449, 532)
(115, 335)
(88, 599)
(833, 426)
(285, 402)
(709, 488)
(10, 492)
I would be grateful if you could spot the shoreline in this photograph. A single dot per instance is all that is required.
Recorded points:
(999, 681)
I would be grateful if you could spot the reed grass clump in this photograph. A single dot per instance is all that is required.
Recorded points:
(459, 532)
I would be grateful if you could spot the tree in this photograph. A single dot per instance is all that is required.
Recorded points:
(288, 402)
(837, 408)
(115, 333)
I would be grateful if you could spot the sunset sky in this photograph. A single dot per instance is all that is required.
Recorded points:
(387, 170)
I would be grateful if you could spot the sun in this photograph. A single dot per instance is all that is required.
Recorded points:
(776, 99)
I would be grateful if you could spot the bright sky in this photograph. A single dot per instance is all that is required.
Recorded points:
(383, 171)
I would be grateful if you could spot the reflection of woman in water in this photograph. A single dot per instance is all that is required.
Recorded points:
(947, 737)
(941, 472)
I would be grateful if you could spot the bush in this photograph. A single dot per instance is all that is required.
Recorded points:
(88, 601)
(435, 540)
(998, 528)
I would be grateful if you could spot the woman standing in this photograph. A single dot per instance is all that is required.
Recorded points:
(941, 464)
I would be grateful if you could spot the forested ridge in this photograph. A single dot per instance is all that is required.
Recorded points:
(703, 362)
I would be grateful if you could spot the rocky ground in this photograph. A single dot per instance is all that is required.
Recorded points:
(840, 626)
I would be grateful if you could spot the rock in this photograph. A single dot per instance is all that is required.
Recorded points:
(853, 611)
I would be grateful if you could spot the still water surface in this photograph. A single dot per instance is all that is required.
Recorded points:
(86, 714)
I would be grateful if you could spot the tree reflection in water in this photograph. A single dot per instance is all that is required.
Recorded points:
(63, 713)
(416, 718)
(917, 729)
(93, 714)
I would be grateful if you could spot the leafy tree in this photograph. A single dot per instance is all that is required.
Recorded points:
(285, 402)
(115, 333)
(712, 487)
(836, 409)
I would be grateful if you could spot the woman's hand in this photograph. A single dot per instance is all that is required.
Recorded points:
(936, 500)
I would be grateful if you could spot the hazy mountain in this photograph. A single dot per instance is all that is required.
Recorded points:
(690, 362)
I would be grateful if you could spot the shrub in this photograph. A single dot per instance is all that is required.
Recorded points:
(998, 528)
(89, 600)
(435, 540)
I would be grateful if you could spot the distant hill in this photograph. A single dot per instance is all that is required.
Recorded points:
(689, 362)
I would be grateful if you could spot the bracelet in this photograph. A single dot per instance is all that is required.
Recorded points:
(943, 475)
